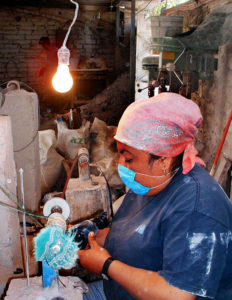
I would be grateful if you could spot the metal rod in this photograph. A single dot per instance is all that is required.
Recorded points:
(132, 52)
(181, 52)
(24, 225)
(178, 77)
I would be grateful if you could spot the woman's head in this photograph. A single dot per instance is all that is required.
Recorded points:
(144, 173)
(164, 125)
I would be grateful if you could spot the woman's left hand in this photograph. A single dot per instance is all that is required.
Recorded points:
(93, 258)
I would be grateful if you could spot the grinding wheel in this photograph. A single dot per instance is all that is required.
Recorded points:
(56, 203)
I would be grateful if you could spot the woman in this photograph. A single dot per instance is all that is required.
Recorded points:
(172, 236)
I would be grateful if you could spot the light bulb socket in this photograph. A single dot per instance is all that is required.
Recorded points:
(63, 56)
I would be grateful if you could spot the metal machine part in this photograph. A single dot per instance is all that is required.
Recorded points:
(173, 62)
(56, 219)
(83, 164)
(82, 230)
(56, 205)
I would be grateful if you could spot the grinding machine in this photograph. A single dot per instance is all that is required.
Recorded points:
(57, 244)
(177, 62)
(66, 231)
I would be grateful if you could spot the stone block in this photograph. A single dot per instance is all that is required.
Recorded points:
(86, 198)
(10, 247)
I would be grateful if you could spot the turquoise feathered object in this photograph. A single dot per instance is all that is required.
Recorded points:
(56, 247)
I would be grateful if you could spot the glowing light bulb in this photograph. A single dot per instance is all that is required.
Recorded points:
(62, 81)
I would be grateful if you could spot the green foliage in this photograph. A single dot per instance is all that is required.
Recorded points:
(157, 10)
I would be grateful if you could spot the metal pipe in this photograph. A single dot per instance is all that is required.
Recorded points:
(178, 77)
(24, 225)
(132, 52)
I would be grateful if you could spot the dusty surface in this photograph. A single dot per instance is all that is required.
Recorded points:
(18, 289)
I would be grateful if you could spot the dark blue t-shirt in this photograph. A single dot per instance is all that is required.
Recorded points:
(184, 233)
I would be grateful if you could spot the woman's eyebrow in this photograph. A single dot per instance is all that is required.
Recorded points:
(124, 151)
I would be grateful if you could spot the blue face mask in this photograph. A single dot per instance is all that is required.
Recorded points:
(128, 178)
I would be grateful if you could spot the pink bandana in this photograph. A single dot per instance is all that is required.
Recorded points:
(164, 125)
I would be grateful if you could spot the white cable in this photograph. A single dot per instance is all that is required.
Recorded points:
(74, 20)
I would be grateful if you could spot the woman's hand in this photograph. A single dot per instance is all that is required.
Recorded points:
(93, 258)
(101, 236)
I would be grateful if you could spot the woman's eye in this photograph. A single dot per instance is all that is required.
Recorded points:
(128, 160)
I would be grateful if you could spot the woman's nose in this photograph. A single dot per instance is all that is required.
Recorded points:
(121, 160)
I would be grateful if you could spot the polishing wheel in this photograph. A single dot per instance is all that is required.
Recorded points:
(56, 205)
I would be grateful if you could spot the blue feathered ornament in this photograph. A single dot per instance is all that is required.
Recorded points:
(56, 247)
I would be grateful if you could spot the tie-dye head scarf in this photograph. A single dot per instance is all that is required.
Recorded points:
(164, 125)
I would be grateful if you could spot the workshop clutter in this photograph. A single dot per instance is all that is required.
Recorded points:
(58, 149)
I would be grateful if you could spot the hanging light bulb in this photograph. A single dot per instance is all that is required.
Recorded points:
(62, 80)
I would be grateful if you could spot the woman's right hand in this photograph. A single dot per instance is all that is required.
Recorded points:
(93, 258)
(101, 236)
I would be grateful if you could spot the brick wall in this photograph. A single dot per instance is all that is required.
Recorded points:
(21, 57)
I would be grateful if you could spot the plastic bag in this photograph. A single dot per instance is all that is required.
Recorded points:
(50, 160)
(69, 141)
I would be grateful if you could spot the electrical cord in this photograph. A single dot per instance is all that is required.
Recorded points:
(73, 21)
(109, 192)
(69, 176)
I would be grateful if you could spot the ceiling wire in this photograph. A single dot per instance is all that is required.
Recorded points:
(73, 21)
